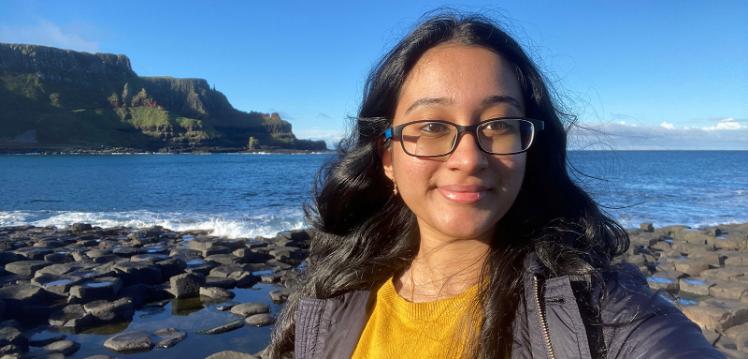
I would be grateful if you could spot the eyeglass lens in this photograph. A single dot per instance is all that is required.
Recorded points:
(503, 136)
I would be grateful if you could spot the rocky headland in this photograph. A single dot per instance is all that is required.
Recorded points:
(55, 100)
(59, 282)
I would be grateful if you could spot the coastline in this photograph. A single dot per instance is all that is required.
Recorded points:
(47, 151)
(94, 290)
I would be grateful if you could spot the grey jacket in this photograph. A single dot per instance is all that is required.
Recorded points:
(644, 325)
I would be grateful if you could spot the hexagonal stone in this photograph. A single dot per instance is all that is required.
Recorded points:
(168, 337)
(216, 293)
(279, 295)
(691, 266)
(717, 314)
(733, 290)
(64, 346)
(185, 285)
(232, 325)
(726, 273)
(247, 309)
(695, 285)
(663, 281)
(25, 268)
(736, 259)
(259, 320)
(72, 317)
(230, 354)
(120, 309)
(129, 342)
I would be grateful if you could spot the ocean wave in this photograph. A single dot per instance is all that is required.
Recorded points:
(230, 225)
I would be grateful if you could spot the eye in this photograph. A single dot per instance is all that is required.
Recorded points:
(434, 128)
(494, 128)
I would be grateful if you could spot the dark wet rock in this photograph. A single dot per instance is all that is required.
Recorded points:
(148, 257)
(105, 311)
(230, 354)
(244, 279)
(171, 266)
(43, 338)
(64, 346)
(58, 257)
(97, 252)
(226, 283)
(247, 309)
(80, 227)
(126, 251)
(27, 302)
(279, 295)
(138, 272)
(8, 257)
(129, 342)
(252, 256)
(56, 284)
(140, 294)
(225, 271)
(10, 336)
(185, 285)
(224, 259)
(25, 268)
(32, 253)
(168, 337)
(216, 293)
(72, 317)
(95, 289)
(232, 325)
(259, 320)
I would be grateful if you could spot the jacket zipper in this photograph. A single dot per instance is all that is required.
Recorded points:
(543, 322)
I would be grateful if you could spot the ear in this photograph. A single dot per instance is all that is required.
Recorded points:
(385, 153)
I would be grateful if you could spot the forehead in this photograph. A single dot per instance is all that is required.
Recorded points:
(463, 74)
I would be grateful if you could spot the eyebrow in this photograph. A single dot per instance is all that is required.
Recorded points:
(491, 100)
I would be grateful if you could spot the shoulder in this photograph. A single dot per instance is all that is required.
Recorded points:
(638, 322)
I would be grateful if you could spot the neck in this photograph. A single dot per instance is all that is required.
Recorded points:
(442, 269)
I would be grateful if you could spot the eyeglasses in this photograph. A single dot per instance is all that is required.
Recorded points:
(435, 138)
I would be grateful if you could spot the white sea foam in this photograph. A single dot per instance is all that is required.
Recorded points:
(231, 225)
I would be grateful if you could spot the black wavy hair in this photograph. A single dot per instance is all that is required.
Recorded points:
(363, 234)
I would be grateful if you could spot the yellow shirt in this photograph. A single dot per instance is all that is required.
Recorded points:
(397, 328)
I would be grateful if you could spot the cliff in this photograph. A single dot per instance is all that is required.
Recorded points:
(56, 99)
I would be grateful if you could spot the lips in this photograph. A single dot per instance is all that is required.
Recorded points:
(463, 193)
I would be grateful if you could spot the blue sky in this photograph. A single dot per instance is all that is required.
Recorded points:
(638, 74)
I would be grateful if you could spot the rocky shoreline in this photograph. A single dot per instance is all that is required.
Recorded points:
(81, 278)
(58, 283)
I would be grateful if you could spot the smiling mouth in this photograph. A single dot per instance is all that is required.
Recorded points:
(463, 194)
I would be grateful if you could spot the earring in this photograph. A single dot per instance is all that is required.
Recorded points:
(394, 188)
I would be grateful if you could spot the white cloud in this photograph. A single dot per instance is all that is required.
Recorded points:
(726, 124)
(667, 125)
(47, 33)
(727, 134)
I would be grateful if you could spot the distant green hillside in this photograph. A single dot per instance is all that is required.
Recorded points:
(56, 99)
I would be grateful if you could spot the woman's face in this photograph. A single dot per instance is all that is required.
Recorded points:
(462, 195)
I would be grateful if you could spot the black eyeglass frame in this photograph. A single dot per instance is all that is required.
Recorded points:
(397, 131)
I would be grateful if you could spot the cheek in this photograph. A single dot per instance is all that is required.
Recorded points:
(511, 172)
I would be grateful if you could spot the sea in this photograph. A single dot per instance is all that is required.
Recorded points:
(249, 195)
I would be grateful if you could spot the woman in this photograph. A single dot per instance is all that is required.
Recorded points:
(449, 227)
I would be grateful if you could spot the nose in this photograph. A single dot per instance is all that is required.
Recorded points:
(467, 156)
